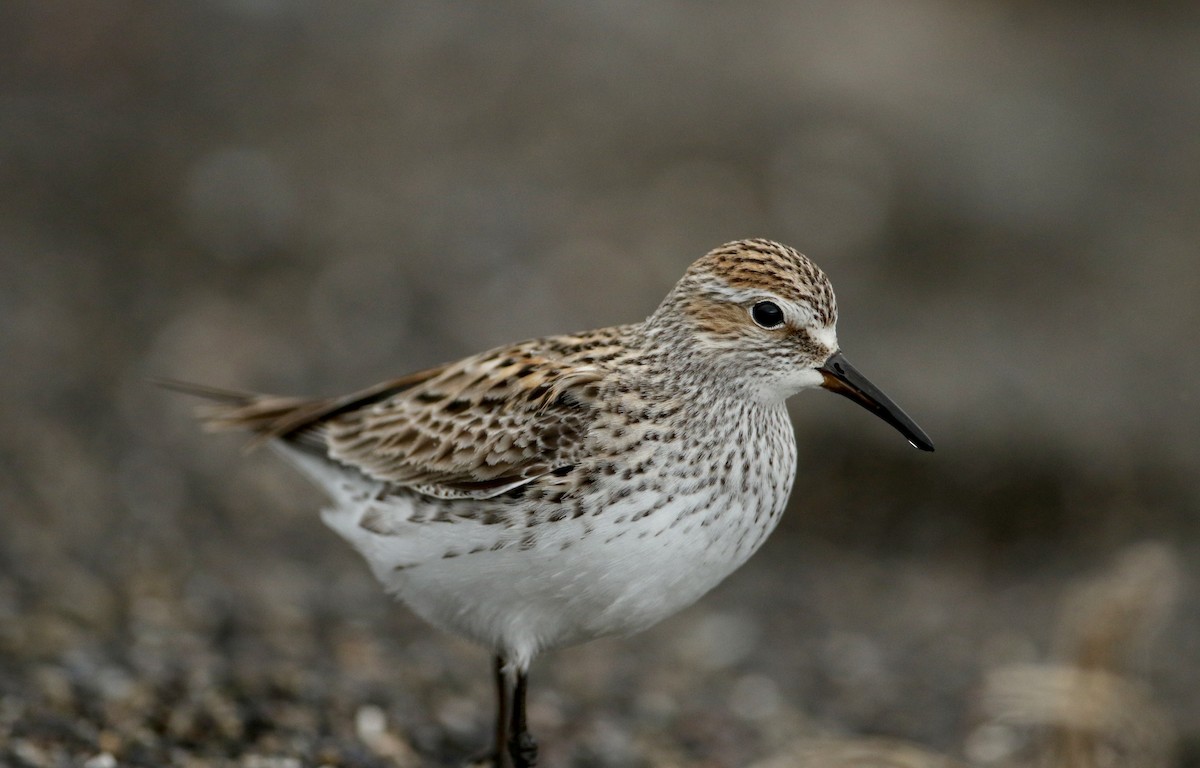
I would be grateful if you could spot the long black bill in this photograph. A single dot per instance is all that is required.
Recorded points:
(844, 379)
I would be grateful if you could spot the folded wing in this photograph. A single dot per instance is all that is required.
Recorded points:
(471, 429)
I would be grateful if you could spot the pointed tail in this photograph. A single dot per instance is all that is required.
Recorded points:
(266, 416)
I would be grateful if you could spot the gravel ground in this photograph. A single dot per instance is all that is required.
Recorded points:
(283, 652)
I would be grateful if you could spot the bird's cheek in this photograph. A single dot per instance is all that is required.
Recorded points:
(809, 352)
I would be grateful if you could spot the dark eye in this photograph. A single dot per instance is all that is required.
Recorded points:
(767, 314)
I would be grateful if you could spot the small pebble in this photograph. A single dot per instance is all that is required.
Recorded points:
(102, 760)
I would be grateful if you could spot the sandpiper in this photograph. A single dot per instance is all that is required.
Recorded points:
(556, 490)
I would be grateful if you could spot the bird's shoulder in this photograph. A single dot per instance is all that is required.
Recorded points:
(485, 424)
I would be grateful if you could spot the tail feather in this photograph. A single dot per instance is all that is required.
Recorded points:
(266, 416)
(297, 420)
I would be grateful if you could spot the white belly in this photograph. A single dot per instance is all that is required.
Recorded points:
(572, 581)
(519, 588)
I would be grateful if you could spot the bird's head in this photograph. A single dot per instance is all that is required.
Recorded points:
(763, 315)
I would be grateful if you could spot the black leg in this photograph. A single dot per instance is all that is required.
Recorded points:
(514, 746)
(502, 712)
(521, 745)
(497, 756)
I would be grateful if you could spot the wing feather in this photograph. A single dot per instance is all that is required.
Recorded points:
(475, 428)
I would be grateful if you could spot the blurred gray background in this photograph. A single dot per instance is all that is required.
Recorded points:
(306, 198)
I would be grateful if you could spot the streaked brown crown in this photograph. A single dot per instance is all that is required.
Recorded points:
(772, 267)
(712, 301)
